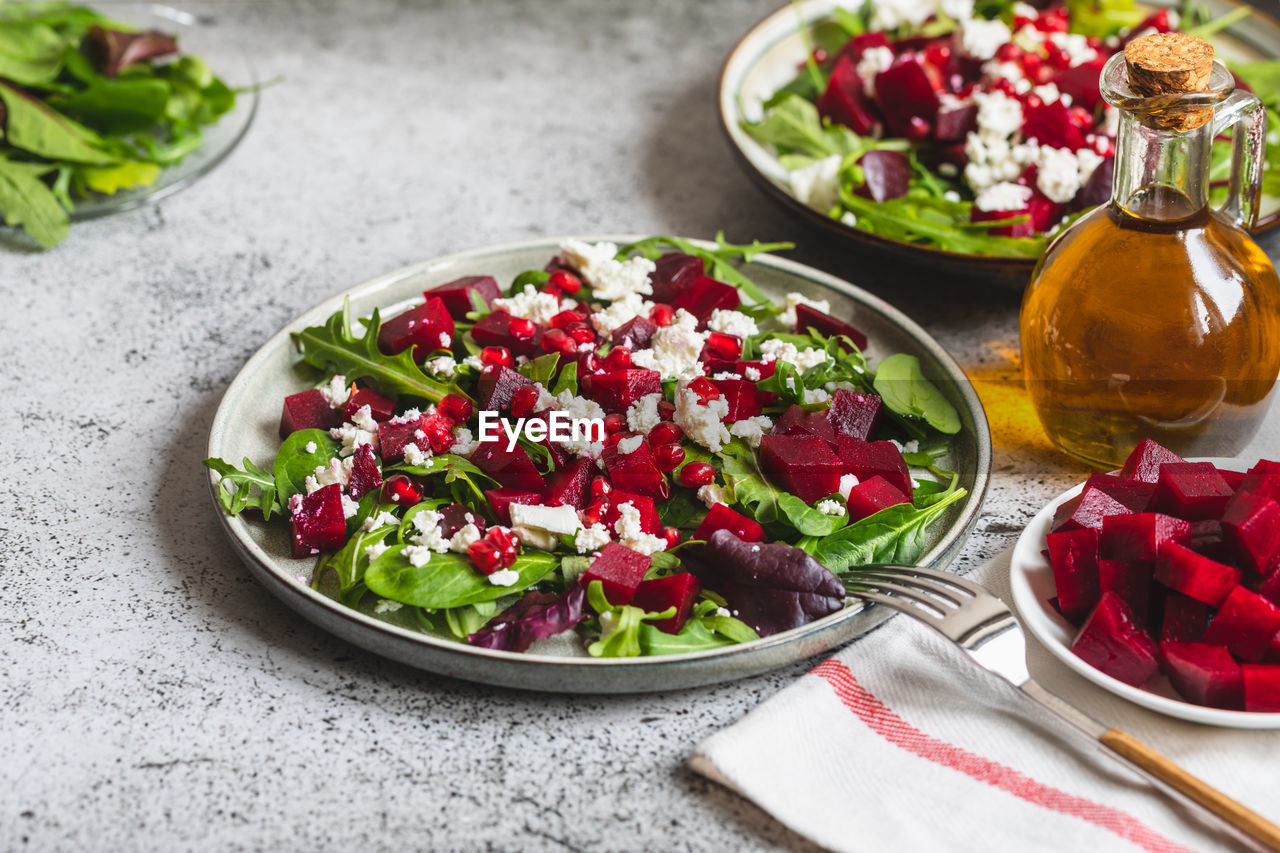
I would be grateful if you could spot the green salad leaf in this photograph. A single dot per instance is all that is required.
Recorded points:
(898, 535)
(448, 579)
(240, 489)
(905, 390)
(302, 452)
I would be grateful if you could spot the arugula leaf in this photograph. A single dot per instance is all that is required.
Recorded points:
(742, 473)
(905, 390)
(718, 261)
(619, 626)
(37, 129)
(793, 126)
(350, 563)
(295, 463)
(236, 487)
(448, 579)
(705, 629)
(333, 347)
(898, 534)
(27, 201)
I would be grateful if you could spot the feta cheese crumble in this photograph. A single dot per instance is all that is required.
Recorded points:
(382, 519)
(830, 507)
(592, 538)
(361, 429)
(386, 605)
(427, 536)
(337, 392)
(542, 526)
(504, 577)
(674, 349)
(464, 444)
(874, 60)
(630, 533)
(413, 455)
(847, 482)
(732, 323)
(610, 279)
(338, 472)
(530, 304)
(703, 424)
(710, 494)
(630, 445)
(751, 430)
(779, 350)
(1003, 196)
(310, 447)
(642, 415)
(980, 39)
(468, 534)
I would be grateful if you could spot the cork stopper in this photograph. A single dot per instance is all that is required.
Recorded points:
(1165, 65)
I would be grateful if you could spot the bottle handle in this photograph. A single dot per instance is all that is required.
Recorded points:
(1244, 113)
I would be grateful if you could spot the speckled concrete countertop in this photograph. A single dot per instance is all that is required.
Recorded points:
(152, 695)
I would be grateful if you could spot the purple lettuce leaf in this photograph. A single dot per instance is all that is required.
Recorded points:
(115, 50)
(536, 616)
(772, 588)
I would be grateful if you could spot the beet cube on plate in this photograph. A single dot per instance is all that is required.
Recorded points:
(511, 468)
(319, 524)
(1191, 490)
(649, 520)
(886, 176)
(1184, 620)
(636, 472)
(365, 475)
(1073, 556)
(1111, 640)
(497, 384)
(1131, 581)
(308, 410)
(380, 408)
(744, 399)
(1204, 674)
(867, 459)
(679, 591)
(1245, 624)
(1262, 479)
(870, 496)
(1194, 575)
(904, 92)
(494, 330)
(1139, 535)
(673, 272)
(502, 499)
(1261, 687)
(395, 434)
(706, 295)
(616, 390)
(635, 334)
(1144, 462)
(844, 101)
(456, 294)
(619, 569)
(799, 421)
(854, 413)
(427, 326)
(570, 485)
(1087, 509)
(720, 517)
(802, 464)
(1251, 524)
(808, 317)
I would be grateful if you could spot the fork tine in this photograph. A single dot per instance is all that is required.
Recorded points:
(902, 605)
(946, 578)
(938, 591)
(901, 591)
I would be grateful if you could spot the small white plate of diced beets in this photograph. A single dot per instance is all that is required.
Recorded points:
(1161, 583)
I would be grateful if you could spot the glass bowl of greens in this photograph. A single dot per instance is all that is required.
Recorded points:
(111, 108)
(955, 136)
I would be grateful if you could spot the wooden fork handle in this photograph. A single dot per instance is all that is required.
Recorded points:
(1246, 820)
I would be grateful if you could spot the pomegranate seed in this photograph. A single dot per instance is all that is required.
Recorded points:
(614, 423)
(552, 290)
(662, 314)
(523, 399)
(555, 340)
(672, 536)
(619, 358)
(1009, 51)
(566, 318)
(727, 347)
(497, 356)
(1032, 101)
(697, 474)
(595, 511)
(581, 333)
(666, 409)
(1031, 62)
(456, 408)
(820, 55)
(521, 328)
(589, 362)
(566, 281)
(600, 487)
(704, 389)
(1018, 23)
(1081, 117)
(1043, 74)
(1003, 85)
(485, 555)
(401, 491)
(918, 129)
(505, 542)
(664, 433)
(1058, 58)
(616, 437)
(1094, 42)
(668, 457)
(439, 432)
(937, 55)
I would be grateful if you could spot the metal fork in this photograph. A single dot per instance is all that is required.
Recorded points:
(984, 627)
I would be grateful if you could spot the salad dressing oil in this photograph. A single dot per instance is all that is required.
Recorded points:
(1155, 315)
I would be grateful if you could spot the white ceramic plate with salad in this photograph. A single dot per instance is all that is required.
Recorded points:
(443, 639)
(1028, 116)
(1033, 589)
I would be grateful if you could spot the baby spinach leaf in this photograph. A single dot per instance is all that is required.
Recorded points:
(805, 519)
(750, 488)
(898, 534)
(349, 564)
(37, 129)
(295, 462)
(466, 620)
(125, 105)
(619, 626)
(236, 487)
(31, 52)
(448, 579)
(905, 390)
(567, 380)
(705, 629)
(26, 201)
(541, 369)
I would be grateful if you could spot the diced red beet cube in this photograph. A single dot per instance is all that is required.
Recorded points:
(721, 517)
(799, 421)
(844, 101)
(705, 296)
(1129, 579)
(1112, 640)
(1134, 494)
(1051, 124)
(1269, 588)
(649, 520)
(870, 496)
(955, 121)
(393, 435)
(365, 476)
(380, 408)
(308, 410)
(1235, 479)
(679, 591)
(636, 472)
(1073, 556)
(808, 317)
(1208, 539)
(886, 175)
(854, 413)
(511, 468)
(620, 570)
(1185, 619)
(1262, 479)
(1251, 525)
(502, 499)
(1180, 568)
(496, 386)
(867, 459)
(319, 524)
(454, 517)
(765, 368)
(1191, 490)
(1144, 462)
(855, 47)
(456, 294)
(635, 334)
(1204, 674)
(616, 390)
(743, 397)
(1245, 624)
(1087, 510)
(1261, 687)
(673, 272)
(904, 92)
(1139, 535)
(802, 464)
(1081, 83)
(570, 485)
(494, 330)
(427, 326)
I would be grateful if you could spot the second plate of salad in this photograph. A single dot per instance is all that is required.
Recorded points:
(596, 464)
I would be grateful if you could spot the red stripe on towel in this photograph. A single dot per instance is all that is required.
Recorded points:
(884, 722)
